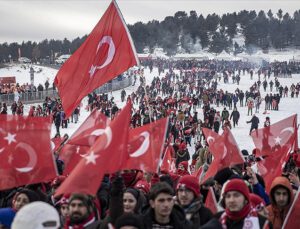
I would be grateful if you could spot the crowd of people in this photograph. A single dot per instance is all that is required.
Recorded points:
(173, 198)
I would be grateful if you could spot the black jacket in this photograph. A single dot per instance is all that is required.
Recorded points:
(177, 217)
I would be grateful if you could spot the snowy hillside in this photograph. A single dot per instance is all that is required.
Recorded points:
(287, 106)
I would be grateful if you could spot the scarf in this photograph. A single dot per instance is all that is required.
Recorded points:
(84, 224)
(247, 213)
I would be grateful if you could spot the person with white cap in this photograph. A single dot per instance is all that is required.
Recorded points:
(37, 215)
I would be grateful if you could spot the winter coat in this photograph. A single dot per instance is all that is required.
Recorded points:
(235, 115)
(215, 223)
(254, 122)
(177, 218)
(276, 215)
(197, 213)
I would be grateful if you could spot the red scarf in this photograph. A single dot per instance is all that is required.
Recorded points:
(84, 224)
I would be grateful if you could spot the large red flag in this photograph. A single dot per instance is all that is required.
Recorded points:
(81, 141)
(23, 159)
(145, 146)
(224, 149)
(276, 144)
(106, 53)
(292, 220)
(168, 163)
(107, 155)
(267, 140)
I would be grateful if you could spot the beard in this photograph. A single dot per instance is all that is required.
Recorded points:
(77, 218)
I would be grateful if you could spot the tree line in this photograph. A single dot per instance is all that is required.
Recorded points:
(188, 33)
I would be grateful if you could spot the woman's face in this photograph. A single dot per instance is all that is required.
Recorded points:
(20, 201)
(129, 202)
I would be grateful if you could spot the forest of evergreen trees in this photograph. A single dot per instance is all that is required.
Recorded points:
(183, 32)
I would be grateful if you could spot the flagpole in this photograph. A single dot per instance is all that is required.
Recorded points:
(291, 208)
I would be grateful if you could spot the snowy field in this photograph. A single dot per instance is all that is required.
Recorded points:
(287, 106)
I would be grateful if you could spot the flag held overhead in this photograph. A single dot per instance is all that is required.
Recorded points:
(106, 53)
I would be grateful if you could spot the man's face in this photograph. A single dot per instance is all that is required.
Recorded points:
(234, 201)
(281, 197)
(78, 211)
(185, 196)
(162, 205)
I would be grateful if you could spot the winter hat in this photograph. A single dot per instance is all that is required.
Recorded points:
(256, 200)
(37, 215)
(238, 185)
(129, 219)
(143, 186)
(84, 198)
(7, 216)
(63, 200)
(223, 175)
(191, 183)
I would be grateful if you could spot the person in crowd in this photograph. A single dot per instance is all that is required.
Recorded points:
(133, 200)
(282, 196)
(235, 116)
(37, 215)
(254, 123)
(81, 213)
(163, 212)
(188, 198)
(238, 211)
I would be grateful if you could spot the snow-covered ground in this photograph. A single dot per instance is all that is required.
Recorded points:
(287, 106)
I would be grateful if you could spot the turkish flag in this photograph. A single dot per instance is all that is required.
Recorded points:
(145, 146)
(23, 159)
(267, 140)
(90, 129)
(275, 144)
(71, 156)
(106, 53)
(107, 155)
(224, 149)
(168, 163)
(211, 201)
(292, 220)
(83, 138)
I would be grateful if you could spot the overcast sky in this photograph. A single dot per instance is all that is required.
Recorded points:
(40, 19)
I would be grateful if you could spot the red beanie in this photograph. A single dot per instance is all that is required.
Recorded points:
(143, 186)
(238, 185)
(191, 183)
(256, 200)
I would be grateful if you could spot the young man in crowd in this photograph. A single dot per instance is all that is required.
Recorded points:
(162, 212)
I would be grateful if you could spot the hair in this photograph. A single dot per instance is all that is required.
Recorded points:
(160, 187)
(86, 200)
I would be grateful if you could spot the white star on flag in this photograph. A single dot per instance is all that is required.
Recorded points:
(10, 138)
(91, 158)
(277, 140)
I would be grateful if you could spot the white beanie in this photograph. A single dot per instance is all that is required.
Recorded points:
(36, 215)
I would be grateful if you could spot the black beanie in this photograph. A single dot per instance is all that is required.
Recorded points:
(129, 219)
(223, 175)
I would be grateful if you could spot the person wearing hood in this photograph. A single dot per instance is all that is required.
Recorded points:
(281, 195)
(189, 199)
